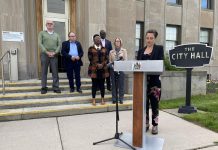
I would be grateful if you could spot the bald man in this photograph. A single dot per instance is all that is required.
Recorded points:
(49, 42)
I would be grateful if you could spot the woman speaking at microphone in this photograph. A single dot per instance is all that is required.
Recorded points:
(152, 52)
(117, 54)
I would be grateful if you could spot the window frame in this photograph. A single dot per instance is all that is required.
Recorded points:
(209, 5)
(141, 39)
(56, 15)
(178, 35)
(210, 36)
(178, 2)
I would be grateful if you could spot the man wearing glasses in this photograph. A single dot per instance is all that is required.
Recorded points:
(72, 53)
(49, 42)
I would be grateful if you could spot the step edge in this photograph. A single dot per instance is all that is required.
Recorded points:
(25, 112)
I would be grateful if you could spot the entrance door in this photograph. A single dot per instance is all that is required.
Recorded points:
(58, 11)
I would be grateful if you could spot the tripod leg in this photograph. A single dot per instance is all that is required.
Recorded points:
(127, 144)
(103, 141)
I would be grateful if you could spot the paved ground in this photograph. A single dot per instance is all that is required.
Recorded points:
(79, 132)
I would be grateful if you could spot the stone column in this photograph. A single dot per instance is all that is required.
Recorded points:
(31, 41)
(213, 68)
(12, 19)
(190, 21)
(155, 18)
(121, 22)
(91, 17)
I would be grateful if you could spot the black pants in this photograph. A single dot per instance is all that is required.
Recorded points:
(73, 70)
(120, 84)
(154, 102)
(108, 81)
(98, 83)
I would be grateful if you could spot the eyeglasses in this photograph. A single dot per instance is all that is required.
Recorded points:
(72, 36)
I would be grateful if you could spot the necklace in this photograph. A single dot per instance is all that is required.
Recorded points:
(148, 50)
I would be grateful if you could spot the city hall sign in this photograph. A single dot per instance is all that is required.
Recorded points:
(190, 55)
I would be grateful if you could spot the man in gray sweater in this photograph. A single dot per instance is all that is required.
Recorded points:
(49, 43)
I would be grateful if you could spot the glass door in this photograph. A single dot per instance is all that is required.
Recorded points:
(57, 10)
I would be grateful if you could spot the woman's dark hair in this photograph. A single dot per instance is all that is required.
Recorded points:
(95, 36)
(152, 31)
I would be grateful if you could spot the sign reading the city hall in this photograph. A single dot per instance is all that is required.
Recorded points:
(190, 55)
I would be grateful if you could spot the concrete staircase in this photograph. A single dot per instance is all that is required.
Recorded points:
(23, 100)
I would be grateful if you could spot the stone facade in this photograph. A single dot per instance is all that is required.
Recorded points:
(117, 17)
(19, 16)
(177, 80)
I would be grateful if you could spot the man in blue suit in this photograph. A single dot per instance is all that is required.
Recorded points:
(72, 52)
(107, 44)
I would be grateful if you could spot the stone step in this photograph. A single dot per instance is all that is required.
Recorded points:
(61, 110)
(34, 82)
(23, 100)
(49, 94)
(14, 104)
(37, 88)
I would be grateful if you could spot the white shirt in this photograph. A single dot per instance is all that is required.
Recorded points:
(103, 42)
(97, 47)
(50, 32)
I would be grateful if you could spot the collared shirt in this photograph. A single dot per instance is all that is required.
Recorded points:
(103, 42)
(116, 55)
(52, 32)
(73, 49)
(97, 47)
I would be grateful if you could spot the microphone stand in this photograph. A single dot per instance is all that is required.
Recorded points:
(117, 134)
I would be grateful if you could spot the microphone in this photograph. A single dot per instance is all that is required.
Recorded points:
(111, 65)
(120, 58)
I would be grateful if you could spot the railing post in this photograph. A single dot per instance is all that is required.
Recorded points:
(3, 80)
(2, 65)
(9, 65)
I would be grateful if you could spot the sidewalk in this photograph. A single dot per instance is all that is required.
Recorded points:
(79, 132)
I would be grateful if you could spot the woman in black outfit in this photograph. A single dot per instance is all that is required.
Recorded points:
(152, 52)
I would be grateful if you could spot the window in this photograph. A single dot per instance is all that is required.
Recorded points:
(139, 43)
(172, 36)
(206, 4)
(56, 6)
(205, 36)
(178, 2)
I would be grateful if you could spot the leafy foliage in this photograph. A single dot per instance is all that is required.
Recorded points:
(169, 67)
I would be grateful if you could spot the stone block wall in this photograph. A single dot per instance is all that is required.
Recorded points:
(174, 84)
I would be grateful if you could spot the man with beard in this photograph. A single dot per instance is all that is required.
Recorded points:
(107, 44)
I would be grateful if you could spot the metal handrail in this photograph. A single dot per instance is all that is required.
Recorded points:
(3, 78)
(4, 55)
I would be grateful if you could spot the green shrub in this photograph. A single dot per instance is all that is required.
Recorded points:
(169, 67)
(211, 87)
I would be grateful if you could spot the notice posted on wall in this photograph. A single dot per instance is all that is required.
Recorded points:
(12, 36)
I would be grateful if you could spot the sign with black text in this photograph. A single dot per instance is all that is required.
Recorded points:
(190, 55)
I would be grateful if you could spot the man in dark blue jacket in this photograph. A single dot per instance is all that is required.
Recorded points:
(107, 44)
(72, 53)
